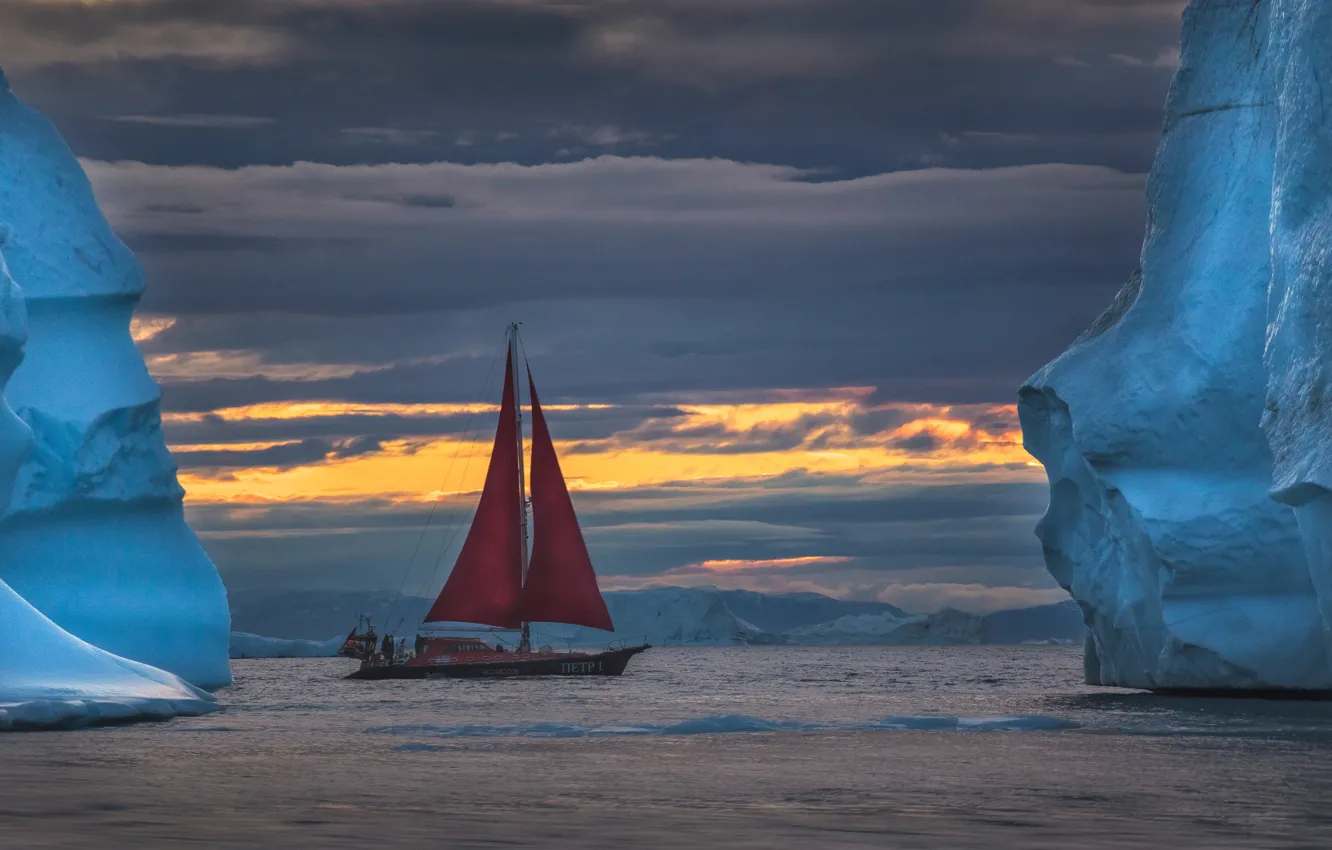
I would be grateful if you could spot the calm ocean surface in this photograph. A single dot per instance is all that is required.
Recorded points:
(708, 747)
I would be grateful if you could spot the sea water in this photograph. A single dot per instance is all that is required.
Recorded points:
(693, 747)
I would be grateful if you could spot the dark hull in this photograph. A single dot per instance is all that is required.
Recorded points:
(610, 663)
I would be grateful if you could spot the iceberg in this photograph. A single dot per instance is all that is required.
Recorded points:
(666, 616)
(943, 628)
(1184, 433)
(95, 536)
(48, 677)
(781, 612)
(670, 616)
(1298, 354)
(660, 616)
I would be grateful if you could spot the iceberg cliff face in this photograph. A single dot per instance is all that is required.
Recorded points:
(1298, 416)
(48, 677)
(95, 536)
(1162, 522)
(15, 439)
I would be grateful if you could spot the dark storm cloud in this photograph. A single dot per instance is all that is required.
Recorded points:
(211, 429)
(299, 453)
(711, 438)
(442, 202)
(720, 200)
(326, 239)
(912, 346)
(211, 122)
(860, 87)
(941, 304)
(941, 532)
(153, 244)
(792, 501)
(923, 443)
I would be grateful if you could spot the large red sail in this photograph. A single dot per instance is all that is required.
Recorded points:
(487, 578)
(561, 584)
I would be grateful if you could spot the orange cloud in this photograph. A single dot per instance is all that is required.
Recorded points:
(740, 566)
(312, 409)
(836, 434)
(147, 327)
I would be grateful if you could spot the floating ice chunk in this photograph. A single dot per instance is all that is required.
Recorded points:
(49, 678)
(733, 724)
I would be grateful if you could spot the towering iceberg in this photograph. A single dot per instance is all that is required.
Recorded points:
(1298, 416)
(95, 536)
(1181, 428)
(48, 677)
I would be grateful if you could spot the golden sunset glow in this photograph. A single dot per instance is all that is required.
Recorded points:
(144, 329)
(739, 566)
(311, 409)
(707, 443)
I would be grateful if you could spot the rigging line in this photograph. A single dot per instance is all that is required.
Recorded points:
(434, 505)
(447, 543)
(452, 536)
(470, 436)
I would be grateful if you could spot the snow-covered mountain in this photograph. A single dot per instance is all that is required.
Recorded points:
(677, 616)
(1061, 622)
(244, 645)
(780, 612)
(668, 616)
(948, 626)
(316, 614)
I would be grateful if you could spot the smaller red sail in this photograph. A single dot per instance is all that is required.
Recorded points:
(561, 584)
(487, 578)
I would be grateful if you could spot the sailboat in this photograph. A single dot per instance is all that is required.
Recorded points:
(497, 584)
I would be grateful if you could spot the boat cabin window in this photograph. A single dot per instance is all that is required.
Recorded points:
(456, 645)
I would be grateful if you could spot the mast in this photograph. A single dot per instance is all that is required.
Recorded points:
(526, 644)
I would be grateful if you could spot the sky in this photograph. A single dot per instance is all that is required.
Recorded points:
(781, 266)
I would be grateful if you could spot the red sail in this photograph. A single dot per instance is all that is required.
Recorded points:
(487, 578)
(561, 584)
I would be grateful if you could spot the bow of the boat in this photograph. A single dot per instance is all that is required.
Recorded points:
(617, 659)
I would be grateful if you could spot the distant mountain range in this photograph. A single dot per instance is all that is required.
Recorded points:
(682, 616)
